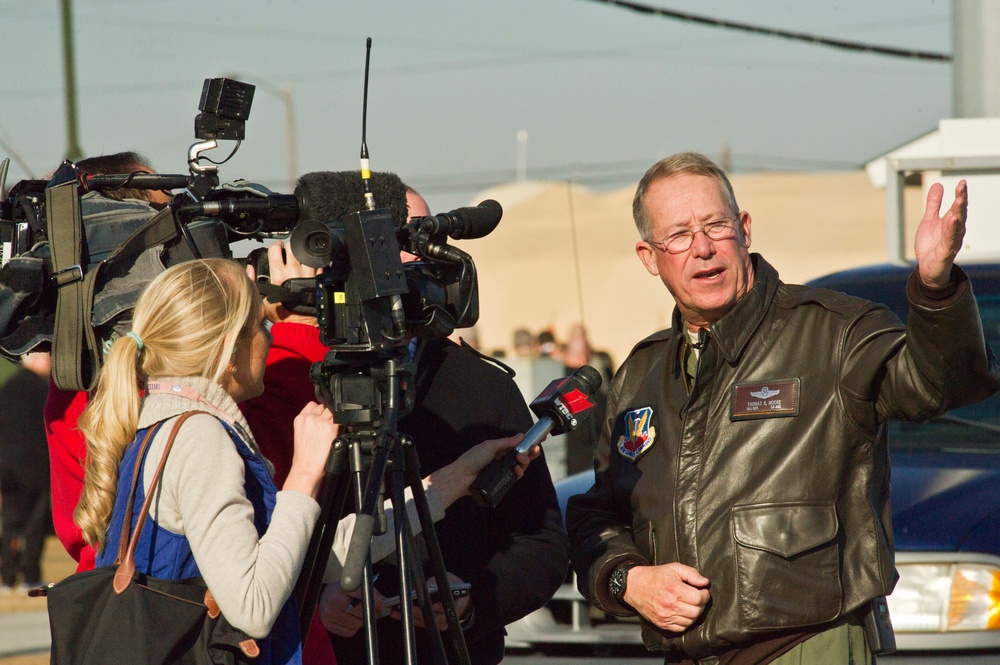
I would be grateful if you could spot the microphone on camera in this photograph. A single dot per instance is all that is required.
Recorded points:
(464, 223)
(326, 196)
(560, 408)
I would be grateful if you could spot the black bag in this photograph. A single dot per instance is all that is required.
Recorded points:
(114, 614)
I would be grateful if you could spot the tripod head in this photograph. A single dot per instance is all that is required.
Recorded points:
(354, 386)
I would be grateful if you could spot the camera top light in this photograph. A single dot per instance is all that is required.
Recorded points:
(225, 108)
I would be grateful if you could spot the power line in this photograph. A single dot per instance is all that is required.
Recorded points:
(786, 34)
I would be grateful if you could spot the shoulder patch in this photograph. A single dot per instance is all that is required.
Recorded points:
(639, 433)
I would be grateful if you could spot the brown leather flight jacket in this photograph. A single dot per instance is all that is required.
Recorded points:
(772, 477)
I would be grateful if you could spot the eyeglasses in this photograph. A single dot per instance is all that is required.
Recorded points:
(681, 241)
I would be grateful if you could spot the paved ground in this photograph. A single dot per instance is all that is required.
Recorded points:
(24, 626)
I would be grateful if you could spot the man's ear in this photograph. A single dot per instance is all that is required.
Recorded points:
(647, 254)
(745, 221)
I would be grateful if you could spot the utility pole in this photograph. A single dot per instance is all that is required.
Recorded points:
(73, 150)
(975, 32)
(285, 94)
(522, 155)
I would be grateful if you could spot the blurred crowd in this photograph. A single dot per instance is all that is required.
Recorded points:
(25, 504)
(575, 352)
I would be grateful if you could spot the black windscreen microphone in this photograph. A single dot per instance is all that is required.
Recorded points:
(326, 196)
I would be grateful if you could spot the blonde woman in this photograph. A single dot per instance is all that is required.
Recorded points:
(198, 342)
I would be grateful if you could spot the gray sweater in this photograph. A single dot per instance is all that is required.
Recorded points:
(201, 497)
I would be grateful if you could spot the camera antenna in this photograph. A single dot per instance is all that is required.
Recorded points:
(366, 173)
(396, 312)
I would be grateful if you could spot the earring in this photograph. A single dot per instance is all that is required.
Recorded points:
(232, 368)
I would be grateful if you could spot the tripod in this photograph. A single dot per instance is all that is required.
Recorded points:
(364, 391)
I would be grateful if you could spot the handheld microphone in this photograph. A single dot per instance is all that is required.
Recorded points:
(560, 408)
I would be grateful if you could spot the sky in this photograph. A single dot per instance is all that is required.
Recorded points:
(600, 91)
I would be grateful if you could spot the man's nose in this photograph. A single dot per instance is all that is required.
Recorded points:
(701, 245)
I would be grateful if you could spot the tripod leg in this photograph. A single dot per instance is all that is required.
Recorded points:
(423, 598)
(364, 525)
(457, 638)
(331, 501)
(403, 558)
(367, 580)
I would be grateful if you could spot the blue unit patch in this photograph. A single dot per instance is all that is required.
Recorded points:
(639, 433)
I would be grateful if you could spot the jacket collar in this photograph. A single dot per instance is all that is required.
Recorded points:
(734, 331)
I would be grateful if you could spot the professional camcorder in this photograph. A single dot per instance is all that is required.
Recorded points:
(74, 260)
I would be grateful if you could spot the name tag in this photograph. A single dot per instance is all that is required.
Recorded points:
(765, 399)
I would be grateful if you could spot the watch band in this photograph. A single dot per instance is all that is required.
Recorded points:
(619, 579)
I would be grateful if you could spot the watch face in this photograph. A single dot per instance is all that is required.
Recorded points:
(617, 582)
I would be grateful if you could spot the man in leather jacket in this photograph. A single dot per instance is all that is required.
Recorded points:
(741, 502)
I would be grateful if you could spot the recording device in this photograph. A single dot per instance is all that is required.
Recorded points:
(457, 591)
(878, 628)
(359, 253)
(560, 408)
(366, 300)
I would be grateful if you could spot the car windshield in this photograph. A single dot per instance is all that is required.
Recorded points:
(973, 428)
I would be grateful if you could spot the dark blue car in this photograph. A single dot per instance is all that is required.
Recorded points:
(946, 516)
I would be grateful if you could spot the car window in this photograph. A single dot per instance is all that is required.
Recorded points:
(973, 428)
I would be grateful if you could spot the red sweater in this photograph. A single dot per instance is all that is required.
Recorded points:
(286, 390)
(67, 451)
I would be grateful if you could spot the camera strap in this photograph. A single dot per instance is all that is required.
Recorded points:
(75, 355)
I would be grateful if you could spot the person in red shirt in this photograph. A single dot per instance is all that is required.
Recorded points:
(67, 449)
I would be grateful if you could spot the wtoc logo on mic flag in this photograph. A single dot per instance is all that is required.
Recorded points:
(576, 401)
(573, 403)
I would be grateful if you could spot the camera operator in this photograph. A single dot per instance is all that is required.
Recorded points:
(514, 556)
(67, 449)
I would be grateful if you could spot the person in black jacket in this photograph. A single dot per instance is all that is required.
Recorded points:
(515, 556)
(26, 515)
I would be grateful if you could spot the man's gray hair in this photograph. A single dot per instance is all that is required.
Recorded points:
(689, 163)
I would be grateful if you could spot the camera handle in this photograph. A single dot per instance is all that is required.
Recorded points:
(354, 450)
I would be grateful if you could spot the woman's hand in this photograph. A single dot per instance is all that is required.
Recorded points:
(452, 482)
(314, 432)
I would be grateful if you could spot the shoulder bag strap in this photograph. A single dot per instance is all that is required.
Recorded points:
(126, 571)
(127, 524)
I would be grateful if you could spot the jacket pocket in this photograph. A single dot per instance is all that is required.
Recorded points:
(787, 563)
(645, 541)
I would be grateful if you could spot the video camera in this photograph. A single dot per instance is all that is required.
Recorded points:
(366, 299)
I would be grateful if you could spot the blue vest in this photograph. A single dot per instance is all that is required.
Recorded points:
(167, 555)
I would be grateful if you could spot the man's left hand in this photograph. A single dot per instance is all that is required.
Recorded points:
(939, 237)
(283, 266)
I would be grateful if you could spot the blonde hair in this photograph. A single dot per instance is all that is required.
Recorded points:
(688, 163)
(189, 318)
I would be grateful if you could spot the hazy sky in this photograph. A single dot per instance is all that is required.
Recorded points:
(602, 92)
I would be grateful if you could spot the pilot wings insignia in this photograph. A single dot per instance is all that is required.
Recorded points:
(764, 393)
